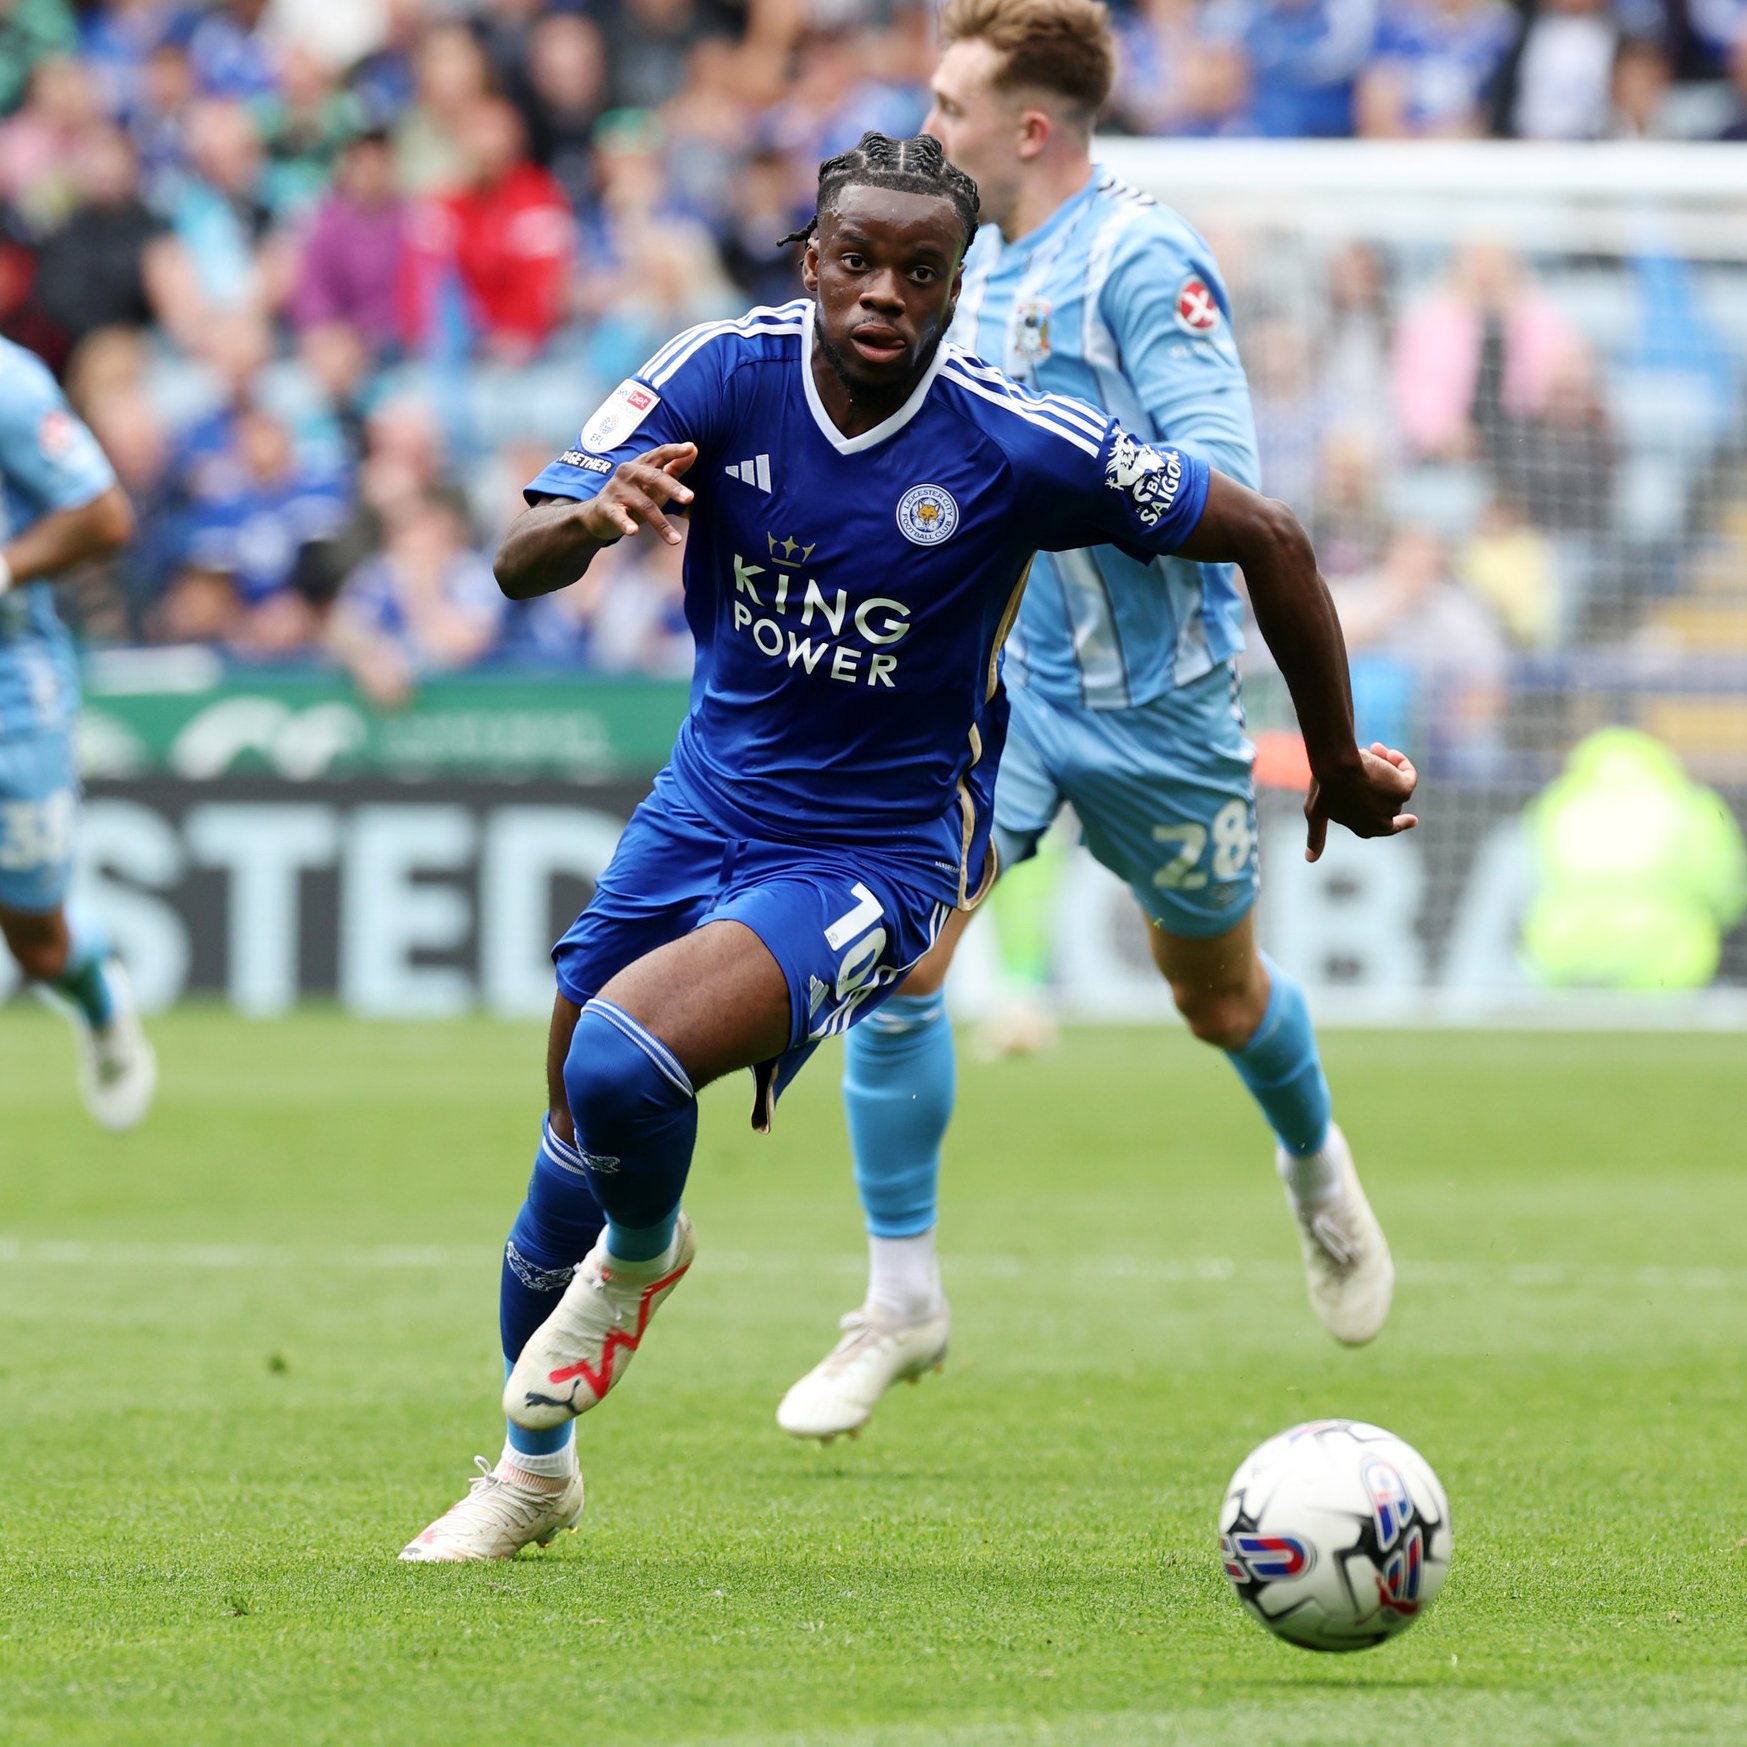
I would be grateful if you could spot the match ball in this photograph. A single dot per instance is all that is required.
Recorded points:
(1335, 1534)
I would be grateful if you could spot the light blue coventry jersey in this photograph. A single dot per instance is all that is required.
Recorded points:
(850, 596)
(1117, 301)
(48, 462)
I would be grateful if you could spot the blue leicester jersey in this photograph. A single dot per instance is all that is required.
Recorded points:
(850, 596)
(48, 462)
(1116, 300)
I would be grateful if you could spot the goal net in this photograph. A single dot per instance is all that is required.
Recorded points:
(1505, 388)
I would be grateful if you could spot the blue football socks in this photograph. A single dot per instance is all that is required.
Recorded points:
(636, 1125)
(556, 1228)
(898, 1084)
(1280, 1066)
(83, 981)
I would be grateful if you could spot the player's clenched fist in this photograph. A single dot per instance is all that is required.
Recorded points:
(1367, 798)
(638, 492)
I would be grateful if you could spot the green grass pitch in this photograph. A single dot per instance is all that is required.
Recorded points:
(248, 1352)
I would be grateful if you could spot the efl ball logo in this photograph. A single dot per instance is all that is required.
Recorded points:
(1251, 1558)
(1197, 313)
(1335, 1535)
(1400, 1540)
(926, 515)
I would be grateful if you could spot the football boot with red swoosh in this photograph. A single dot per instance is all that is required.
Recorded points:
(583, 1348)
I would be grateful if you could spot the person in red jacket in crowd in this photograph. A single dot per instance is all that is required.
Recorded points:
(508, 234)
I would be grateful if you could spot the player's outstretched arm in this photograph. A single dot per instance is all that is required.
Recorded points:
(1365, 790)
(551, 544)
(67, 537)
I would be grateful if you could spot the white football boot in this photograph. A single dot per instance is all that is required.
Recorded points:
(497, 1519)
(1347, 1264)
(877, 1350)
(118, 1071)
(584, 1347)
(1020, 1025)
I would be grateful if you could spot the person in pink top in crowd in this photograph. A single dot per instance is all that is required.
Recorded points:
(352, 266)
(1488, 315)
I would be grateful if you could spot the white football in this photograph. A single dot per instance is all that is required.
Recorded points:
(1336, 1534)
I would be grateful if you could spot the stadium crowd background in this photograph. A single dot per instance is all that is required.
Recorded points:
(330, 282)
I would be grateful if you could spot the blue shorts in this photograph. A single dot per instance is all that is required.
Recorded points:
(1164, 794)
(841, 927)
(39, 806)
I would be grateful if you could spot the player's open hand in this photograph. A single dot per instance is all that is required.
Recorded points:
(1368, 798)
(638, 493)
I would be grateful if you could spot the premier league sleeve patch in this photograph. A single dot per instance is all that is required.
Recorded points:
(1197, 312)
(619, 415)
(926, 515)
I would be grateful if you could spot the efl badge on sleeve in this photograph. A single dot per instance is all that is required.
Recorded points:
(1197, 313)
(619, 415)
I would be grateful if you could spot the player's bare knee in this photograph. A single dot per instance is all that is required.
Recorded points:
(1225, 1017)
(40, 953)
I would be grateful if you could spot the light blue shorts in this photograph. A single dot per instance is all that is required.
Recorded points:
(39, 807)
(1164, 793)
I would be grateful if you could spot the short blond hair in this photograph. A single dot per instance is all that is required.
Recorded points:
(1062, 46)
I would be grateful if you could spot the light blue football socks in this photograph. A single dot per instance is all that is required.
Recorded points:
(898, 1087)
(899, 1079)
(1280, 1066)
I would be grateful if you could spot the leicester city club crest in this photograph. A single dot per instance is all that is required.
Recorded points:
(926, 515)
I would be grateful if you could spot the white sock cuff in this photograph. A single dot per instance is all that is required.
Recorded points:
(903, 1274)
(1310, 1178)
(553, 1466)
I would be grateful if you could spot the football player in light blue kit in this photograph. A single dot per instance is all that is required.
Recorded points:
(865, 502)
(1125, 694)
(59, 504)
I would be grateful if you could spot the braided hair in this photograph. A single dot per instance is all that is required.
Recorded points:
(912, 166)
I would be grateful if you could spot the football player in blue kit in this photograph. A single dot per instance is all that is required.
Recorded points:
(864, 502)
(59, 505)
(1125, 693)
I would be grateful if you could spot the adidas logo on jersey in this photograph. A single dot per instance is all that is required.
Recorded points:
(753, 472)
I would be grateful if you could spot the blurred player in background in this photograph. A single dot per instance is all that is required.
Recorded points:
(59, 505)
(865, 503)
(1126, 702)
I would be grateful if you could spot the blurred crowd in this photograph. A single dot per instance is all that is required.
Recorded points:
(331, 282)
(1526, 478)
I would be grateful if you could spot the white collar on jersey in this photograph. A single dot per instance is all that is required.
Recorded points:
(886, 427)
